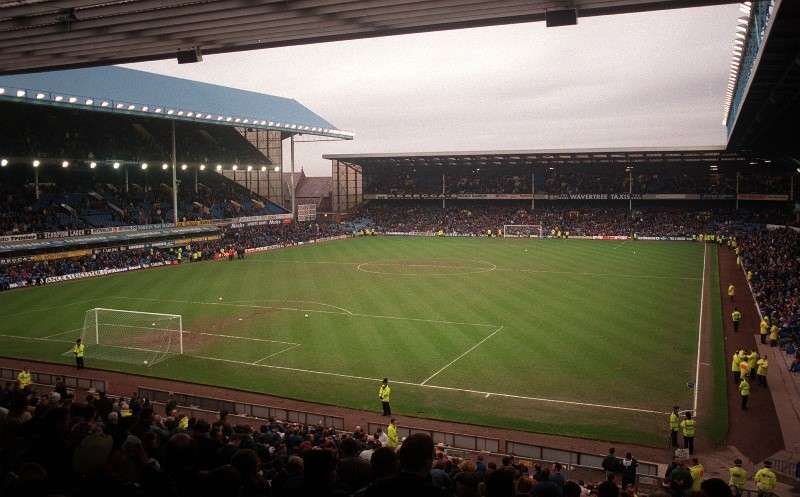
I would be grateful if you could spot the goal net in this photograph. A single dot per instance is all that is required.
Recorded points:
(522, 231)
(135, 337)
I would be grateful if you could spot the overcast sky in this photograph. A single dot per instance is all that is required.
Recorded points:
(651, 79)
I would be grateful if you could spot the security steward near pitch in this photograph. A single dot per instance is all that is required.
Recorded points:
(383, 395)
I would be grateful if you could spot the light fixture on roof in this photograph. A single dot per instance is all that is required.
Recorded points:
(219, 167)
(89, 101)
(170, 112)
(3, 162)
(145, 108)
(276, 169)
(116, 165)
(72, 100)
(20, 93)
(58, 98)
(249, 168)
(263, 168)
(92, 165)
(131, 107)
(180, 112)
(228, 119)
(246, 121)
(119, 106)
(164, 166)
(65, 163)
(40, 96)
(202, 167)
(2, 90)
(208, 116)
(158, 110)
(36, 162)
(104, 103)
(189, 114)
(144, 166)
(270, 123)
(183, 167)
(234, 167)
(237, 120)
(220, 118)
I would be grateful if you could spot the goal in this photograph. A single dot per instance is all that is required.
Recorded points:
(522, 231)
(135, 337)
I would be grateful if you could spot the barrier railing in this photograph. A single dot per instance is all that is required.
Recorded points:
(49, 379)
(455, 440)
(242, 408)
(569, 457)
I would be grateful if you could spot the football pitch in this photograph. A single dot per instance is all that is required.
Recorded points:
(595, 339)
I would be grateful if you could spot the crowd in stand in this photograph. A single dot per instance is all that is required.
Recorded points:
(36, 272)
(570, 180)
(476, 218)
(53, 444)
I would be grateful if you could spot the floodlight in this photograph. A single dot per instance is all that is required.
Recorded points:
(246, 121)
(183, 167)
(40, 96)
(131, 107)
(271, 123)
(158, 110)
(180, 112)
(36, 162)
(263, 168)
(104, 104)
(65, 164)
(116, 165)
(234, 167)
(72, 100)
(229, 119)
(276, 169)
(170, 112)
(20, 93)
(188, 114)
(164, 166)
(119, 106)
(145, 108)
(249, 168)
(238, 120)
(3, 162)
(202, 167)
(219, 167)
(144, 165)
(59, 98)
(92, 165)
(89, 101)
(2, 90)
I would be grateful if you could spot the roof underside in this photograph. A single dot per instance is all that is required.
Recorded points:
(50, 34)
(143, 93)
(767, 118)
(500, 158)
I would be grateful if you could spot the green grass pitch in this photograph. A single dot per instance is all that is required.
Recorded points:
(575, 337)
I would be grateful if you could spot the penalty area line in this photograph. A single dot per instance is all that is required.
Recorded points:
(429, 378)
(287, 349)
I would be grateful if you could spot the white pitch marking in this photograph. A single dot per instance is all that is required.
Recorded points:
(297, 309)
(487, 395)
(429, 378)
(63, 333)
(700, 331)
(378, 380)
(42, 309)
(287, 349)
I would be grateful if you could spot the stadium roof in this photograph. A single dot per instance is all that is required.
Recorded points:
(122, 90)
(50, 34)
(622, 156)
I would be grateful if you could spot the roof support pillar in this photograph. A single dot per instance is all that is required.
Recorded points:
(174, 178)
(291, 180)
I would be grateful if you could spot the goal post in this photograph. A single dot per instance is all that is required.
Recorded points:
(522, 231)
(135, 337)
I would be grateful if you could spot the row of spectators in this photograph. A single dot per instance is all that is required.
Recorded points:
(476, 218)
(56, 445)
(773, 258)
(570, 180)
(79, 199)
(36, 272)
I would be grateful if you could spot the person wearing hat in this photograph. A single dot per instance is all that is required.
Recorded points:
(383, 395)
(765, 479)
(738, 475)
(674, 426)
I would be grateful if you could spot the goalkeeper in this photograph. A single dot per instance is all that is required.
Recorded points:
(79, 350)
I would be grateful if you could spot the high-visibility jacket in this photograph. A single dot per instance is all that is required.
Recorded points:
(687, 426)
(697, 471)
(765, 480)
(763, 366)
(383, 393)
(391, 432)
(731, 290)
(735, 362)
(749, 275)
(738, 477)
(744, 388)
(674, 422)
(78, 350)
(24, 378)
(773, 332)
(738, 261)
(763, 327)
(744, 367)
(752, 360)
(736, 316)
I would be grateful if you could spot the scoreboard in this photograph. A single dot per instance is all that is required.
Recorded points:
(307, 212)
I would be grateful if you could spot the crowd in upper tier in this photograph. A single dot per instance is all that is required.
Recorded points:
(564, 180)
(54, 444)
